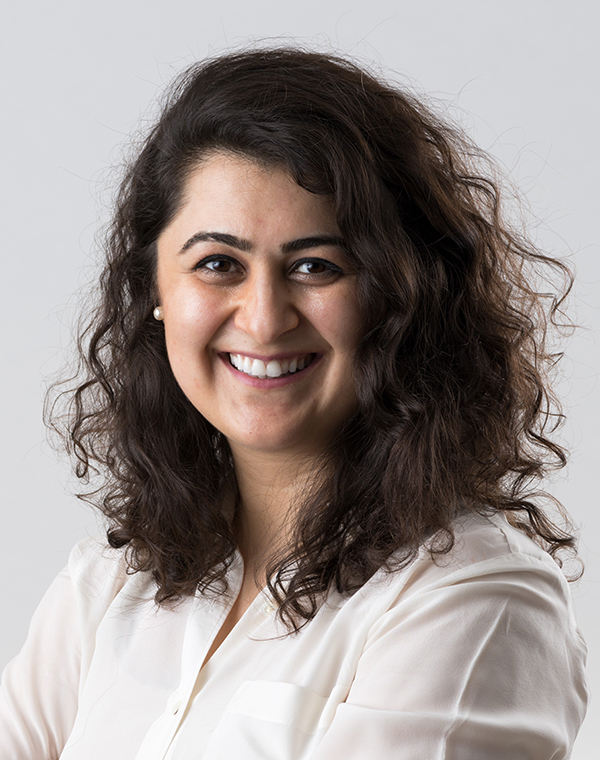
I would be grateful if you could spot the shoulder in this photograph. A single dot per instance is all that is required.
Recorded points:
(496, 597)
(493, 574)
(486, 549)
(99, 575)
(476, 649)
(93, 566)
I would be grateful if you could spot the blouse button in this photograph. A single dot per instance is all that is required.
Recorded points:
(268, 608)
(175, 708)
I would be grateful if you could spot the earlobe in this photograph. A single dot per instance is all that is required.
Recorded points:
(158, 314)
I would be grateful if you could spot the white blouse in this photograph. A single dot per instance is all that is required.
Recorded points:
(475, 657)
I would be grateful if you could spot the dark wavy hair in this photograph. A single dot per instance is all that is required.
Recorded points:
(455, 413)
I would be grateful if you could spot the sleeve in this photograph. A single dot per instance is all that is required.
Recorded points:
(40, 687)
(38, 694)
(486, 666)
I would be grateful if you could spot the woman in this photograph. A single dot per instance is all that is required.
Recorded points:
(315, 392)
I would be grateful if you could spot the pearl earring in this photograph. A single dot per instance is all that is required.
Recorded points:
(158, 313)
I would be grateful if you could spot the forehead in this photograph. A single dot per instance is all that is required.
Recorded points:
(228, 190)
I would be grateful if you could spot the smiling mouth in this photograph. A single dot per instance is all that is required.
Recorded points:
(273, 368)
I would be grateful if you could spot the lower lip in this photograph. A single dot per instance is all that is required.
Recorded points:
(269, 382)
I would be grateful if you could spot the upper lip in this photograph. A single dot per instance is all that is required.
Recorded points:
(273, 357)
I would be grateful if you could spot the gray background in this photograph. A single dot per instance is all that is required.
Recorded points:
(77, 77)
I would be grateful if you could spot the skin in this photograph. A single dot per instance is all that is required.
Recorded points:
(260, 293)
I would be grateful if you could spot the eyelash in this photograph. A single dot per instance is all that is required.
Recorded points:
(331, 268)
(202, 263)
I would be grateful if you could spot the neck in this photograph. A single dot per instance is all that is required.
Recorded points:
(270, 485)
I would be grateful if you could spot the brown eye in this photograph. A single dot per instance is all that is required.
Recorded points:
(311, 267)
(218, 265)
(316, 267)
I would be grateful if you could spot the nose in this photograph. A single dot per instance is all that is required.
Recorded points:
(265, 310)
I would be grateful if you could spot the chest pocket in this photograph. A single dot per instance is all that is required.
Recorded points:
(268, 720)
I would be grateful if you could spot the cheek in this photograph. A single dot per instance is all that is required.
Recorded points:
(339, 321)
(190, 321)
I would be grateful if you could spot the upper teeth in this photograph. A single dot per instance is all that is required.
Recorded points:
(272, 368)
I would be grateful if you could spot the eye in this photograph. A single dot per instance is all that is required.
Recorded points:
(217, 265)
(320, 268)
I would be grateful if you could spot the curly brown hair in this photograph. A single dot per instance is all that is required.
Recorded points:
(454, 412)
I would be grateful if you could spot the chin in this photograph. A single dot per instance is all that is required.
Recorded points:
(274, 442)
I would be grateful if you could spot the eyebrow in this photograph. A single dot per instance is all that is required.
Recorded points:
(241, 244)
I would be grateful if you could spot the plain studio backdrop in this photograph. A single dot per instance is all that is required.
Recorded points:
(78, 78)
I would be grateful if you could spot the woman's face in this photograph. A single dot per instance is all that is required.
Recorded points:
(260, 307)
